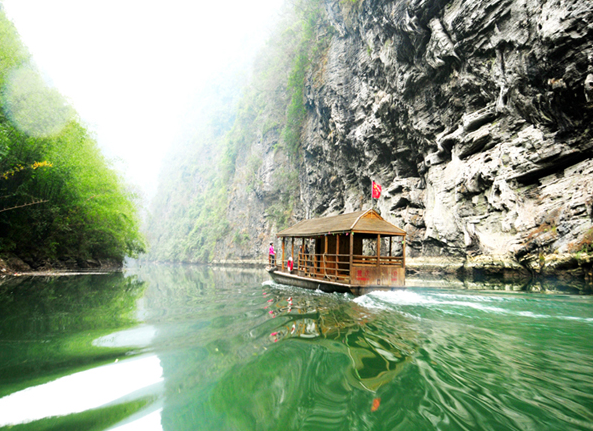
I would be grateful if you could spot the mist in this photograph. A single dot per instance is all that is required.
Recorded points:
(134, 70)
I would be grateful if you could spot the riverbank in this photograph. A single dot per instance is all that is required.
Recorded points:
(11, 265)
(551, 273)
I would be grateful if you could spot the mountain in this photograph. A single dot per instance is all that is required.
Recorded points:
(473, 116)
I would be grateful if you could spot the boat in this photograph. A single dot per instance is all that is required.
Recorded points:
(349, 253)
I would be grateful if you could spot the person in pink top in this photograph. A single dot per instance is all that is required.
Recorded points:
(272, 256)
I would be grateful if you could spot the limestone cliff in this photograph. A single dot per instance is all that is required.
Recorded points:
(475, 116)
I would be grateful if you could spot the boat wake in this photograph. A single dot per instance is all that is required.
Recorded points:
(451, 303)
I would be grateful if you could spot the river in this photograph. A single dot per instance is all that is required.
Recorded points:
(196, 348)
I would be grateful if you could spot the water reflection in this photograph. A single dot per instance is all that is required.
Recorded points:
(54, 349)
(216, 349)
(47, 326)
(141, 336)
(344, 327)
(239, 356)
(116, 383)
(145, 422)
(184, 348)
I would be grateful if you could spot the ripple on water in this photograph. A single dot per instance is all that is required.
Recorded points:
(236, 354)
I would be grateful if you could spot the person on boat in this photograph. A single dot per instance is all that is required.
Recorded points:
(290, 264)
(307, 259)
(272, 255)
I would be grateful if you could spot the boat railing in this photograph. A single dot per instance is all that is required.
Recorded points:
(360, 260)
(335, 267)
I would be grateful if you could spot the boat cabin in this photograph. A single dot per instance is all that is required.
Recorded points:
(342, 253)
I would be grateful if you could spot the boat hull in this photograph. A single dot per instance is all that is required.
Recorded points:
(324, 285)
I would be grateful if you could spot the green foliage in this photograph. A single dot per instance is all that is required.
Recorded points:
(210, 225)
(285, 183)
(58, 195)
(190, 220)
(295, 114)
(586, 243)
(241, 238)
(32, 106)
(310, 17)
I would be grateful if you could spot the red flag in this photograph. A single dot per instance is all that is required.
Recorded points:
(376, 190)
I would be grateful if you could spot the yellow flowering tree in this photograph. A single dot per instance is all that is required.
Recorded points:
(59, 196)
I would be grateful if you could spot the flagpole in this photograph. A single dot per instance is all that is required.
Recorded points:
(372, 199)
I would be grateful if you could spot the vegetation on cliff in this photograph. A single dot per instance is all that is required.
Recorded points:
(59, 197)
(190, 213)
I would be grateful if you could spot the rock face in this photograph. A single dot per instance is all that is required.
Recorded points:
(474, 116)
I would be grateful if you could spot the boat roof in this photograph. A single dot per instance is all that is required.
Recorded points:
(368, 221)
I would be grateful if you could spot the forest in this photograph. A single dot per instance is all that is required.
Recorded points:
(62, 205)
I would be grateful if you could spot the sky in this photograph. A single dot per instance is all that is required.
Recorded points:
(131, 67)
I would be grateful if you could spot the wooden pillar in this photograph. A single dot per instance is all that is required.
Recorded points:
(302, 254)
(315, 258)
(390, 238)
(325, 256)
(283, 241)
(292, 251)
(378, 250)
(337, 254)
(351, 254)
(404, 252)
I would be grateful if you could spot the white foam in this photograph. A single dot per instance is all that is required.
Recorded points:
(402, 297)
(531, 314)
(387, 299)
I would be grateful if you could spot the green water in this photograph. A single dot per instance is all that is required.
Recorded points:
(178, 348)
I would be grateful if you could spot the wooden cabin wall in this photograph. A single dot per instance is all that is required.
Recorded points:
(306, 259)
(345, 247)
(333, 262)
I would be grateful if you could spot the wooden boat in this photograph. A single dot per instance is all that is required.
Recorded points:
(354, 252)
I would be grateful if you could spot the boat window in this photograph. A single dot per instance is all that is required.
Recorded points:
(385, 246)
(397, 248)
(369, 246)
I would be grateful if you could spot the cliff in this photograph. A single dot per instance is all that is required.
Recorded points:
(473, 116)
